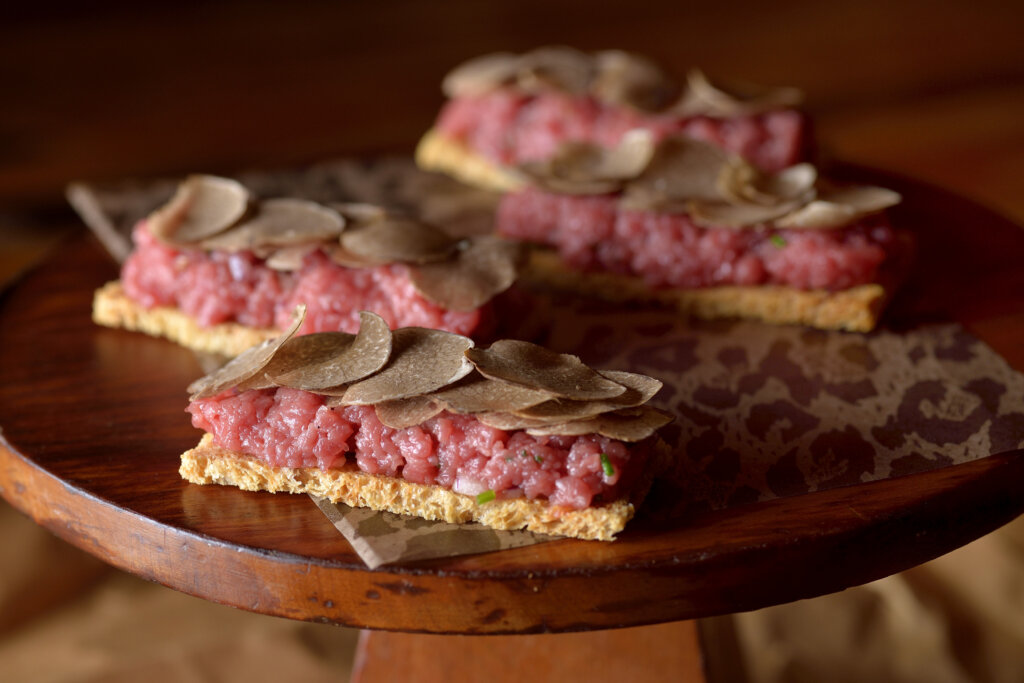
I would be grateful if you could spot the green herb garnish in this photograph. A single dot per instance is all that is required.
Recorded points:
(536, 458)
(485, 497)
(778, 240)
(606, 465)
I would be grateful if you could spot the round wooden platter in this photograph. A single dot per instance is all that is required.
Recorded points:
(93, 423)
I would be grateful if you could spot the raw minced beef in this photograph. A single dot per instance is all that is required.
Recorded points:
(509, 127)
(593, 233)
(217, 287)
(291, 428)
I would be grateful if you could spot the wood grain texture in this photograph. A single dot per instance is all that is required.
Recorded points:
(93, 424)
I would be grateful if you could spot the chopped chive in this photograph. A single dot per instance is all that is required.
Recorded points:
(778, 240)
(536, 458)
(508, 458)
(485, 497)
(606, 465)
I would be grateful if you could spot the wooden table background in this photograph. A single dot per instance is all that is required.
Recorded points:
(929, 89)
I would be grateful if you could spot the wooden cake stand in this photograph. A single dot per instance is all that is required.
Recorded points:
(92, 426)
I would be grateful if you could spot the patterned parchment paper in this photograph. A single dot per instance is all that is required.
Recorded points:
(767, 411)
(382, 537)
(761, 411)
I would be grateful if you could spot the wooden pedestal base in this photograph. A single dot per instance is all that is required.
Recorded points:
(663, 652)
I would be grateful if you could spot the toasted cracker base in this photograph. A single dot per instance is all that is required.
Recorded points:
(208, 463)
(111, 307)
(856, 310)
(437, 153)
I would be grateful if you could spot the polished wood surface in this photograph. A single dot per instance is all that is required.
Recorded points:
(92, 426)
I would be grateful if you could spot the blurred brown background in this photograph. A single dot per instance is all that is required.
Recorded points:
(105, 91)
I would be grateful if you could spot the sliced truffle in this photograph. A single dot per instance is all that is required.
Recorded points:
(331, 359)
(534, 366)
(624, 78)
(627, 425)
(681, 170)
(398, 239)
(840, 206)
(555, 68)
(702, 98)
(478, 394)
(406, 412)
(482, 268)
(203, 205)
(481, 75)
(279, 223)
(423, 360)
(588, 168)
(247, 365)
(639, 390)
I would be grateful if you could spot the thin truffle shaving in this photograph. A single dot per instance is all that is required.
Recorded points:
(247, 366)
(701, 97)
(411, 374)
(202, 206)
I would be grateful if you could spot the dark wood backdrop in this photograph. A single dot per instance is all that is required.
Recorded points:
(105, 90)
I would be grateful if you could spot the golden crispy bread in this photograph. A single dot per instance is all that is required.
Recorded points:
(111, 307)
(207, 463)
(437, 153)
(856, 309)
